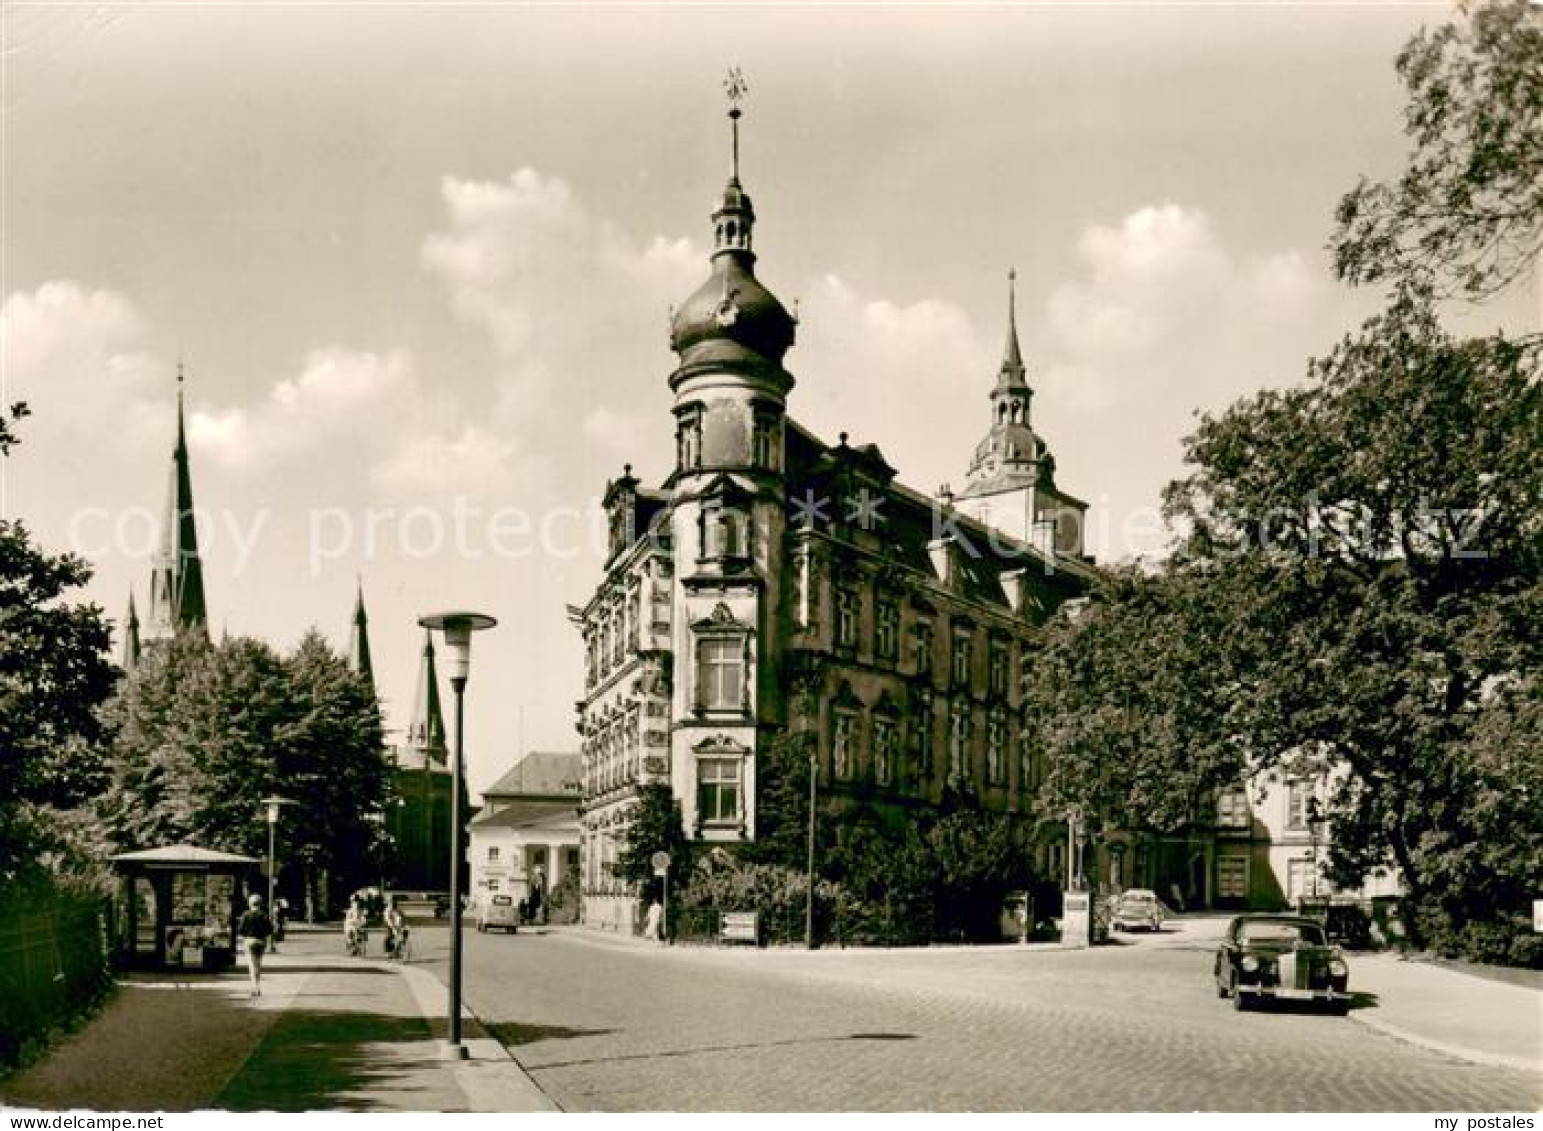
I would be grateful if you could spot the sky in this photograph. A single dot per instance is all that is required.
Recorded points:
(418, 264)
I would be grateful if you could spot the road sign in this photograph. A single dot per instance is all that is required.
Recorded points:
(661, 863)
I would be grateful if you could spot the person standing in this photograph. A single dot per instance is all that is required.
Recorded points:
(254, 930)
(653, 924)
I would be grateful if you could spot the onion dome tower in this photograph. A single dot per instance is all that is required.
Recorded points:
(732, 322)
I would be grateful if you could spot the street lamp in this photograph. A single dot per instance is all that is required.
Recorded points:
(814, 778)
(1314, 832)
(457, 628)
(273, 805)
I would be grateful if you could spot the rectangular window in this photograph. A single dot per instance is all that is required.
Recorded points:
(721, 673)
(1299, 805)
(846, 618)
(1302, 879)
(763, 443)
(688, 441)
(959, 740)
(887, 630)
(717, 790)
(961, 668)
(921, 648)
(1232, 877)
(1232, 809)
(998, 677)
(492, 853)
(886, 749)
(843, 739)
(996, 761)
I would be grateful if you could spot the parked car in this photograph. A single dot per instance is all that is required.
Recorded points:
(1137, 909)
(1280, 957)
(500, 912)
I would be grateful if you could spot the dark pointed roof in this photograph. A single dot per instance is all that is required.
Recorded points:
(177, 578)
(359, 641)
(131, 645)
(426, 731)
(1012, 374)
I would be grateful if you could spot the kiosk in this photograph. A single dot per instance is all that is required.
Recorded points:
(178, 906)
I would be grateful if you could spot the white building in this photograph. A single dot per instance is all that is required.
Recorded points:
(1271, 844)
(526, 838)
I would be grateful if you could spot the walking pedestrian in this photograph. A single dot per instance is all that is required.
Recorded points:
(254, 930)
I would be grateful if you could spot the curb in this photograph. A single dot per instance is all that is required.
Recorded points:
(491, 1078)
(1473, 1056)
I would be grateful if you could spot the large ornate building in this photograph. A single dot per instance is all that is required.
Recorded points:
(776, 582)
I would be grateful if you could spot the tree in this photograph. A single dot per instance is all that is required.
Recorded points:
(54, 672)
(1466, 216)
(1121, 704)
(332, 760)
(654, 825)
(1378, 532)
(205, 731)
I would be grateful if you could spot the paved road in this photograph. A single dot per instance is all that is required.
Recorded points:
(612, 1026)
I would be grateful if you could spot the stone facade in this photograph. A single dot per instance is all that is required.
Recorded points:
(777, 583)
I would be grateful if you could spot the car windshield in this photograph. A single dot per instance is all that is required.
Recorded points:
(1138, 897)
(1263, 931)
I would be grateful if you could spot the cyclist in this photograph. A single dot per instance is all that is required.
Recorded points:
(396, 930)
(355, 937)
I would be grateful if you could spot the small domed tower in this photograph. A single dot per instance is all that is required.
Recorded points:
(1011, 482)
(727, 518)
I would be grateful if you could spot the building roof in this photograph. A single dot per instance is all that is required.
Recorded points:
(182, 854)
(528, 814)
(541, 773)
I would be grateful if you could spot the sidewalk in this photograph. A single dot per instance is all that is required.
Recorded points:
(1462, 1014)
(329, 1033)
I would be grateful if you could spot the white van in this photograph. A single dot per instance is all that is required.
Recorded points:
(500, 911)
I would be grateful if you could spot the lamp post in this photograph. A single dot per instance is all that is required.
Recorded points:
(273, 805)
(457, 628)
(814, 777)
(1314, 831)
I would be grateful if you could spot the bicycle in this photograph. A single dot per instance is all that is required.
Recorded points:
(401, 946)
(357, 943)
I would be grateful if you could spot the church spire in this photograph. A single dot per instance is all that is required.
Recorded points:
(177, 578)
(131, 636)
(1011, 375)
(359, 661)
(426, 731)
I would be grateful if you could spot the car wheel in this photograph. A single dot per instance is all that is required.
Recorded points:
(1340, 1007)
(1239, 998)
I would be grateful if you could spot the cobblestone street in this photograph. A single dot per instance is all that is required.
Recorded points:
(607, 1025)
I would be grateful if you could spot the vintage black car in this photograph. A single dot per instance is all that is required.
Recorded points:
(1280, 957)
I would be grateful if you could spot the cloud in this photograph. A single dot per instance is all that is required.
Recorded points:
(1163, 320)
(364, 400)
(912, 377)
(473, 461)
(79, 358)
(574, 306)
